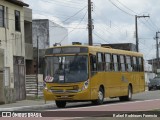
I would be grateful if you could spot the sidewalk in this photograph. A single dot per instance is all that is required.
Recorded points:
(29, 105)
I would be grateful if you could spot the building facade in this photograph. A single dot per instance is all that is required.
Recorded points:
(122, 46)
(47, 33)
(12, 51)
(155, 64)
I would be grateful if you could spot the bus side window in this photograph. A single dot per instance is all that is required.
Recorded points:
(115, 62)
(122, 63)
(128, 64)
(108, 65)
(93, 63)
(99, 61)
(140, 61)
(134, 63)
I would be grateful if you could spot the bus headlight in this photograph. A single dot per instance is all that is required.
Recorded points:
(85, 86)
(48, 90)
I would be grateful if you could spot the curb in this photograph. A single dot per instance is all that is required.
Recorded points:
(29, 108)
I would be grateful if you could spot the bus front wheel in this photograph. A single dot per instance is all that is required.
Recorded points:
(60, 104)
(100, 99)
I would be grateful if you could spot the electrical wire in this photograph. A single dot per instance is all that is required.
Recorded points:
(74, 28)
(120, 8)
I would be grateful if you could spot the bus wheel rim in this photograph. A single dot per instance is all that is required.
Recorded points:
(100, 95)
(130, 95)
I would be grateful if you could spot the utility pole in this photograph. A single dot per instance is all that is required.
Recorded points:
(37, 63)
(157, 49)
(136, 26)
(90, 25)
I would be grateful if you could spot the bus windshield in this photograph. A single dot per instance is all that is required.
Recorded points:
(66, 69)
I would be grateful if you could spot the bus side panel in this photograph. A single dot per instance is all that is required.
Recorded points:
(48, 96)
(111, 82)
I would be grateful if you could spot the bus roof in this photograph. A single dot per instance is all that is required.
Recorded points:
(95, 49)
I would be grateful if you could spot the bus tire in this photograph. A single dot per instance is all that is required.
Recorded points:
(60, 104)
(129, 96)
(100, 99)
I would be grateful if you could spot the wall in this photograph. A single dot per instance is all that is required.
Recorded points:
(40, 29)
(12, 42)
(2, 99)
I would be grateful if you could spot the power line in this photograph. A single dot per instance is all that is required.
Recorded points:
(74, 29)
(154, 24)
(64, 5)
(96, 34)
(75, 14)
(120, 8)
(126, 7)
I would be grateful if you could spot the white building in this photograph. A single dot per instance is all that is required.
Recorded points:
(48, 33)
(12, 51)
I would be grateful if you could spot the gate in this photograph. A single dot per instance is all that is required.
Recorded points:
(19, 78)
(2, 99)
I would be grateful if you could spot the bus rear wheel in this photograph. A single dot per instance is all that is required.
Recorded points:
(100, 99)
(129, 96)
(60, 104)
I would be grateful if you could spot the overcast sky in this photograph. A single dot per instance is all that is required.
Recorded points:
(114, 20)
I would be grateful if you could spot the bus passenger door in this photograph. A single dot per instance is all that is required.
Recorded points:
(92, 77)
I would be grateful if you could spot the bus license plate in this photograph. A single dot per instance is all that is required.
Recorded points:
(64, 96)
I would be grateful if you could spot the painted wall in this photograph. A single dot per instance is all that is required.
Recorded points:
(48, 33)
(13, 42)
(40, 29)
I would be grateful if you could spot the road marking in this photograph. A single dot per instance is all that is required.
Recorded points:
(113, 104)
(23, 107)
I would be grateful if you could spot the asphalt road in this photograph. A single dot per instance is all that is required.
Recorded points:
(146, 101)
(147, 95)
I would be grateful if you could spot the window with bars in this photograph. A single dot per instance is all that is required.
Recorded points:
(17, 21)
(1, 16)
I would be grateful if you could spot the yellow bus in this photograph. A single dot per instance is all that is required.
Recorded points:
(91, 73)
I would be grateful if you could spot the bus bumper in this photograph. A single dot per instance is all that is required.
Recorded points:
(83, 95)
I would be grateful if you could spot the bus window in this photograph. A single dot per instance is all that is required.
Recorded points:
(108, 62)
(140, 64)
(128, 63)
(100, 61)
(115, 62)
(134, 64)
(93, 63)
(122, 63)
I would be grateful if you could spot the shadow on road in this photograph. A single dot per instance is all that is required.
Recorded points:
(88, 104)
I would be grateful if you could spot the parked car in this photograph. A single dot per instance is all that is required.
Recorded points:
(154, 84)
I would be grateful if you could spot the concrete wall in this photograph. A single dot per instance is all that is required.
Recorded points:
(12, 41)
(2, 99)
(49, 33)
(40, 29)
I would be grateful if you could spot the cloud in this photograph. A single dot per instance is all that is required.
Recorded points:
(110, 23)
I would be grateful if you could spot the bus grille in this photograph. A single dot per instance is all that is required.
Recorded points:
(64, 91)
